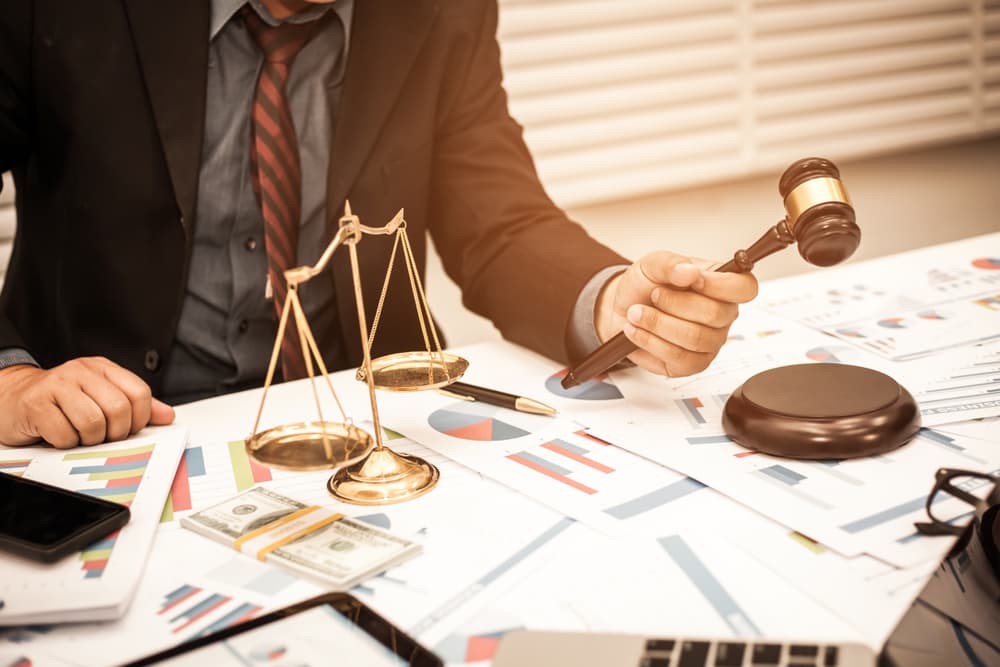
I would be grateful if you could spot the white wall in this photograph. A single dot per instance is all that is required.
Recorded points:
(903, 201)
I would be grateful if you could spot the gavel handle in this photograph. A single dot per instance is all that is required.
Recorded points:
(618, 347)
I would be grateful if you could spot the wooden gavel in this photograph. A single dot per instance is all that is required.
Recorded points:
(819, 217)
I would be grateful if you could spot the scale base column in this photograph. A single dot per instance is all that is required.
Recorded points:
(382, 478)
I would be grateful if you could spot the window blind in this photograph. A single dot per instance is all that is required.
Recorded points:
(629, 97)
(6, 222)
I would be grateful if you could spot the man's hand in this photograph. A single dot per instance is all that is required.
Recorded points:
(675, 309)
(82, 402)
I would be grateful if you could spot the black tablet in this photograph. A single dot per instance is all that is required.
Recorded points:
(331, 629)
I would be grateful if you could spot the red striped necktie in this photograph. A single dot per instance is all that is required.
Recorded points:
(274, 163)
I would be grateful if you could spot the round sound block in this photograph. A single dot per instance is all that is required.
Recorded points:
(821, 411)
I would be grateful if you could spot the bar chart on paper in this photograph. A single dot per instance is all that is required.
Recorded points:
(476, 645)
(864, 505)
(857, 505)
(689, 581)
(190, 588)
(569, 470)
(14, 467)
(711, 589)
(187, 605)
(213, 471)
(98, 581)
(192, 465)
(969, 389)
(702, 411)
(111, 475)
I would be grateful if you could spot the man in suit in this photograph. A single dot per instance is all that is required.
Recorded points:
(165, 153)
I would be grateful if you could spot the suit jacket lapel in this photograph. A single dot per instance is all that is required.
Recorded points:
(386, 36)
(171, 40)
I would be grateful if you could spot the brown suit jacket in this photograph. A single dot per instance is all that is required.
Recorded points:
(102, 109)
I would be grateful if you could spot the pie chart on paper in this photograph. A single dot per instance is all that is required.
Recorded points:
(473, 420)
(987, 263)
(850, 333)
(834, 354)
(933, 315)
(893, 323)
(598, 389)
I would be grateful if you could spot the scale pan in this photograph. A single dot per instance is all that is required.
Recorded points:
(414, 371)
(309, 446)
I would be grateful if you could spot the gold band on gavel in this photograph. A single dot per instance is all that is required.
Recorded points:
(812, 192)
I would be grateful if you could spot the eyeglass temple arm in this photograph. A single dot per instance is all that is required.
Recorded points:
(943, 479)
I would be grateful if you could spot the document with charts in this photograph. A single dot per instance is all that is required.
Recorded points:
(98, 582)
(864, 505)
(193, 586)
(904, 306)
(553, 460)
(685, 580)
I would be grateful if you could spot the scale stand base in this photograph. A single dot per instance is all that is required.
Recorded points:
(821, 411)
(382, 478)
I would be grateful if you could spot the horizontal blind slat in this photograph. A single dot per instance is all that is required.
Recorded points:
(542, 17)
(859, 91)
(568, 46)
(7, 192)
(610, 129)
(632, 155)
(553, 78)
(596, 101)
(893, 112)
(858, 37)
(810, 15)
(654, 178)
(898, 58)
(877, 140)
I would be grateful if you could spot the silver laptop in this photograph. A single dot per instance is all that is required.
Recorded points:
(528, 648)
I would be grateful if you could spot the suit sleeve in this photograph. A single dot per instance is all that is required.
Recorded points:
(517, 257)
(15, 110)
(15, 125)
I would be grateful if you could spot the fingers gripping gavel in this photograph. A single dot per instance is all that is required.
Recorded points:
(819, 218)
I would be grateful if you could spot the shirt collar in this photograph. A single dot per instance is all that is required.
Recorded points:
(223, 10)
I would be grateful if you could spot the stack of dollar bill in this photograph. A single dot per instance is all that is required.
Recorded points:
(309, 540)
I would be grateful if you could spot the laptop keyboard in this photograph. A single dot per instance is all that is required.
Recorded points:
(681, 653)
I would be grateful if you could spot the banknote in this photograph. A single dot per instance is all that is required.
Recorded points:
(242, 514)
(318, 542)
(343, 551)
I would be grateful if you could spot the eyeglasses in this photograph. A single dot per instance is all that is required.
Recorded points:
(985, 525)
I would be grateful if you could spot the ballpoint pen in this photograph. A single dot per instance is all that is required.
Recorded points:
(469, 392)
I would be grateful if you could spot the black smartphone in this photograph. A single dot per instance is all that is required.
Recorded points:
(330, 629)
(44, 523)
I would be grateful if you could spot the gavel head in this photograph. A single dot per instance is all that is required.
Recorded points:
(819, 212)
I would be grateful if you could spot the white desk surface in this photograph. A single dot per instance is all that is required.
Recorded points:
(495, 559)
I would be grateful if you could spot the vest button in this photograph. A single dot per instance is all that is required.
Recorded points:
(152, 360)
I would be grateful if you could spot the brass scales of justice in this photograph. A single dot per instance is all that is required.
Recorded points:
(366, 474)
